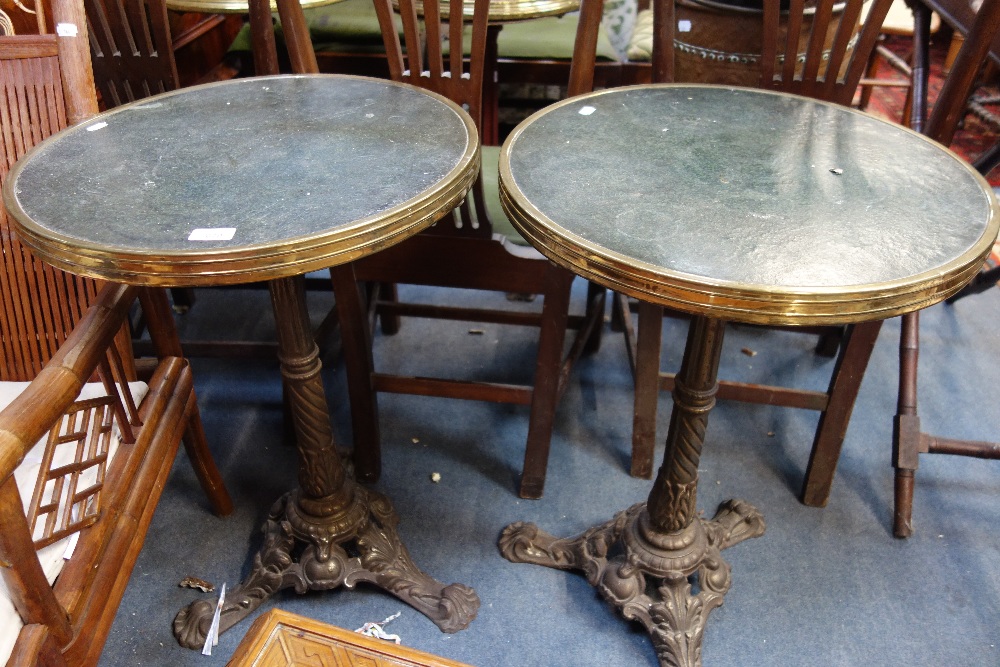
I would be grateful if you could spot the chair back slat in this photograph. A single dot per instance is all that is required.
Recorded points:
(393, 47)
(827, 69)
(434, 66)
(131, 49)
(40, 304)
(793, 37)
(425, 28)
(456, 24)
(841, 47)
(770, 22)
(822, 16)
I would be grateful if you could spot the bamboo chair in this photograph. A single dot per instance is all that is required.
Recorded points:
(782, 68)
(57, 332)
(463, 252)
(949, 109)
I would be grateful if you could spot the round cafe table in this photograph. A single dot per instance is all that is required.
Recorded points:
(264, 179)
(737, 205)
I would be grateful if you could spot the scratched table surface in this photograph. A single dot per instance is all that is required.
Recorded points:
(747, 205)
(271, 176)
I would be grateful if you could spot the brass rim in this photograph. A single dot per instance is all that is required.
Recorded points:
(730, 300)
(253, 262)
(502, 11)
(725, 7)
(232, 6)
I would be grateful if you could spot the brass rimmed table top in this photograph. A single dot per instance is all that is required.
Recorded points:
(747, 205)
(232, 6)
(506, 11)
(250, 179)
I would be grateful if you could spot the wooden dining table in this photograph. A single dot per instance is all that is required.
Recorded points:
(265, 179)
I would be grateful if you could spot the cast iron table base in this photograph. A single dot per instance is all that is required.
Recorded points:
(348, 532)
(658, 562)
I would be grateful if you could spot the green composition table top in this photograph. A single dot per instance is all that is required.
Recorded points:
(248, 179)
(747, 205)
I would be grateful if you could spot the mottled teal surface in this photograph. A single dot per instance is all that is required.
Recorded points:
(275, 158)
(742, 186)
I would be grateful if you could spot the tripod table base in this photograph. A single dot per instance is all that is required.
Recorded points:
(359, 545)
(669, 582)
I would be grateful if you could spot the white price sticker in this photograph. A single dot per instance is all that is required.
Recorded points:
(213, 234)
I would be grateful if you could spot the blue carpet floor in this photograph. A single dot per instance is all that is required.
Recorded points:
(824, 587)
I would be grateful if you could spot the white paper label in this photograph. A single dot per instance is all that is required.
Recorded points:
(684, 26)
(67, 30)
(213, 234)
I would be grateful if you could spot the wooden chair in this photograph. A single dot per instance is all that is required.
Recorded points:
(898, 23)
(461, 253)
(961, 18)
(784, 67)
(131, 49)
(908, 439)
(58, 332)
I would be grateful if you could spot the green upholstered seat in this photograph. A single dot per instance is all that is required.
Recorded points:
(549, 38)
(347, 26)
(352, 25)
(491, 195)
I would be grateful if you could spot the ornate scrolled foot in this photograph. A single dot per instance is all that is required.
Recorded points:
(272, 569)
(365, 526)
(735, 521)
(668, 581)
(385, 562)
(457, 607)
(525, 543)
(192, 622)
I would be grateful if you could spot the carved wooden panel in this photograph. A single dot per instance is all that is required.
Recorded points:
(282, 639)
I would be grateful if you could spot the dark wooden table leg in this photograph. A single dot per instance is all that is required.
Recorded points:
(348, 533)
(663, 540)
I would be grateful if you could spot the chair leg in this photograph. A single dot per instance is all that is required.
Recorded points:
(196, 446)
(906, 427)
(595, 295)
(647, 389)
(617, 317)
(871, 70)
(163, 333)
(183, 298)
(855, 351)
(548, 367)
(829, 342)
(388, 292)
(356, 340)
